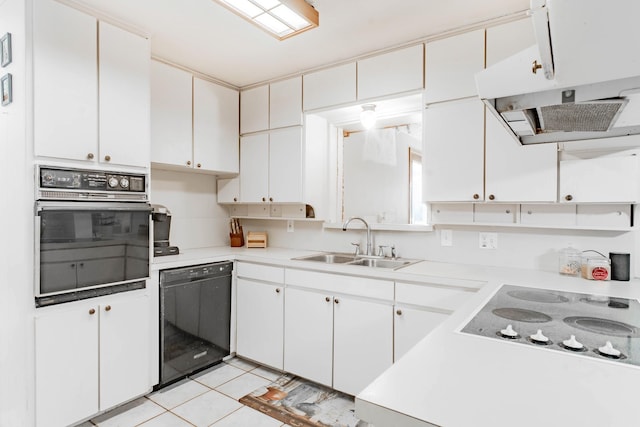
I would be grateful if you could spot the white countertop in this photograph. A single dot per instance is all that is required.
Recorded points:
(451, 379)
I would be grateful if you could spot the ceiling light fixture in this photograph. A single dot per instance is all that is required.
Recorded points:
(280, 18)
(368, 116)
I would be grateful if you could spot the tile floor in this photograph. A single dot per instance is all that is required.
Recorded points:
(209, 398)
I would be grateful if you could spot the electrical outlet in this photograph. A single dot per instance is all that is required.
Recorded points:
(446, 237)
(488, 240)
(290, 226)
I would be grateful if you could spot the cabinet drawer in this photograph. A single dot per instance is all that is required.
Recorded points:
(548, 215)
(461, 213)
(261, 272)
(431, 296)
(604, 215)
(361, 286)
(495, 213)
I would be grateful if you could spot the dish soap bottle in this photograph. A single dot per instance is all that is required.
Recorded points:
(569, 261)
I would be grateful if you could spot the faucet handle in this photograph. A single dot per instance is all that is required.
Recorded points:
(394, 255)
(381, 250)
(357, 250)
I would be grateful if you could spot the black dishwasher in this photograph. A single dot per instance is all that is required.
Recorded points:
(195, 319)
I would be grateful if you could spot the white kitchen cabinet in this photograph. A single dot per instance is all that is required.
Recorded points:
(391, 73)
(215, 127)
(498, 213)
(124, 87)
(228, 190)
(65, 82)
(505, 40)
(76, 115)
(412, 324)
(329, 321)
(308, 335)
(90, 356)
(604, 216)
(453, 166)
(611, 179)
(549, 215)
(254, 109)
(260, 313)
(271, 167)
(359, 354)
(330, 87)
(451, 65)
(171, 119)
(285, 103)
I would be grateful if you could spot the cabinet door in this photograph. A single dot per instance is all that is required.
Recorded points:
(453, 154)
(308, 335)
(260, 322)
(65, 82)
(124, 60)
(451, 65)
(600, 180)
(359, 353)
(326, 88)
(508, 39)
(390, 73)
(124, 350)
(516, 173)
(66, 363)
(285, 166)
(254, 109)
(254, 168)
(171, 137)
(410, 326)
(215, 127)
(285, 103)
(229, 190)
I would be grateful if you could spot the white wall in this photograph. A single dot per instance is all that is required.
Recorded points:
(17, 218)
(522, 248)
(197, 220)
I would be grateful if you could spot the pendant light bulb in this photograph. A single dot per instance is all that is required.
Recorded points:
(368, 116)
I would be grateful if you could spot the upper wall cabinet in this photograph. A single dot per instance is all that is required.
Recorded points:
(285, 103)
(254, 109)
(194, 122)
(67, 93)
(508, 39)
(329, 87)
(171, 101)
(451, 65)
(215, 127)
(391, 73)
(271, 106)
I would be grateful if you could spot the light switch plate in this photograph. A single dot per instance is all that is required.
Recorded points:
(488, 240)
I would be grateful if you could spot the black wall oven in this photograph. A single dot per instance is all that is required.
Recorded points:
(92, 234)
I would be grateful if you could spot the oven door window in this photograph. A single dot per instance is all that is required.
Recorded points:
(92, 247)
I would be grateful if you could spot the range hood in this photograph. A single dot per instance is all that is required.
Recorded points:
(580, 81)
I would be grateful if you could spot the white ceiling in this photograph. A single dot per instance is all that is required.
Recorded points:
(207, 38)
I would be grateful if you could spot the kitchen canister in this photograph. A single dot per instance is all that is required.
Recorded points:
(620, 265)
(595, 266)
(569, 261)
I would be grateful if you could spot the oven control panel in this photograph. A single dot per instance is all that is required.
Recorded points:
(90, 180)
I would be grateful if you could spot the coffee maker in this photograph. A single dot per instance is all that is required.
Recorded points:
(161, 217)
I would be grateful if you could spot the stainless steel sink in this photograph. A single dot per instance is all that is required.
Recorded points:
(380, 263)
(347, 259)
(334, 258)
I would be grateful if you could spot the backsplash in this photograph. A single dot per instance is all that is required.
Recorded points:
(197, 219)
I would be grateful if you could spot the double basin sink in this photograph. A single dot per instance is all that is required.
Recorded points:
(363, 260)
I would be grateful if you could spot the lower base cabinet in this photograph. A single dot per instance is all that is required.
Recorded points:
(328, 338)
(90, 357)
(410, 325)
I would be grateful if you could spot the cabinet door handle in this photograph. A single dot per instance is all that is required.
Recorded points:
(72, 266)
(107, 158)
(492, 197)
(188, 162)
(90, 156)
(264, 199)
(476, 196)
(277, 290)
(327, 299)
(399, 312)
(92, 311)
(271, 199)
(107, 308)
(337, 301)
(568, 197)
(235, 199)
(199, 165)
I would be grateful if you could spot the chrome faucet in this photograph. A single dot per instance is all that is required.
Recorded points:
(369, 250)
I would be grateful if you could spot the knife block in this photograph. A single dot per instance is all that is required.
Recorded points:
(236, 239)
